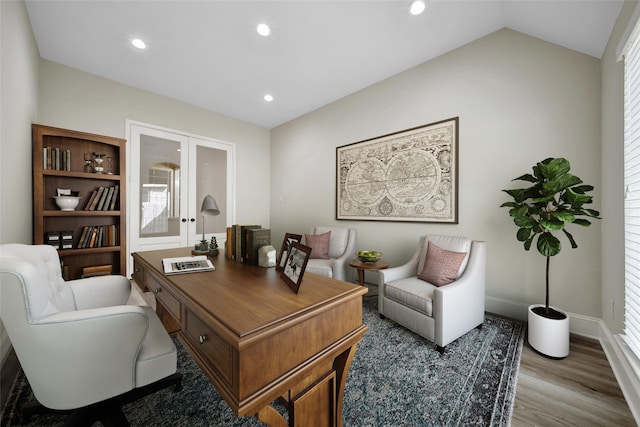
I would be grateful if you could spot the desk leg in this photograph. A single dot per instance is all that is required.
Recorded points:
(342, 364)
(271, 417)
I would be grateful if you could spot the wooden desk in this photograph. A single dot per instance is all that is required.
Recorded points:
(256, 340)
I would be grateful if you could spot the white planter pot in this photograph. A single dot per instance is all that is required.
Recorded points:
(549, 337)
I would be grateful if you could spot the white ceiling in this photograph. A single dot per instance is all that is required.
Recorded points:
(208, 54)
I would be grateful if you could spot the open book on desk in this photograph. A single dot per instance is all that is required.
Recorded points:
(189, 264)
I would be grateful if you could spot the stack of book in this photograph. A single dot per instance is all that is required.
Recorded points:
(56, 159)
(96, 270)
(243, 242)
(98, 236)
(103, 199)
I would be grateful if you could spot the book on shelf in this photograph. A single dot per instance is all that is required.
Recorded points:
(91, 199)
(96, 199)
(112, 205)
(228, 251)
(255, 239)
(98, 236)
(103, 198)
(97, 270)
(190, 264)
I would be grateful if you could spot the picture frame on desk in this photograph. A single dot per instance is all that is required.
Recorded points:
(289, 238)
(294, 265)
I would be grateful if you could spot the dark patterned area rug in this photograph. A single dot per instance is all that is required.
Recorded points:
(397, 379)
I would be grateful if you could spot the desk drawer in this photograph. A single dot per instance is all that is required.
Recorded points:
(210, 345)
(166, 298)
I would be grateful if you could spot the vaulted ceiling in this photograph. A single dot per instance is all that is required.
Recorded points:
(208, 53)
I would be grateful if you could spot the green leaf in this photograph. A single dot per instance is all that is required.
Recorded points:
(581, 189)
(526, 177)
(527, 244)
(557, 167)
(523, 234)
(582, 222)
(592, 213)
(571, 239)
(561, 183)
(518, 194)
(510, 204)
(576, 199)
(524, 221)
(548, 244)
(564, 216)
(552, 224)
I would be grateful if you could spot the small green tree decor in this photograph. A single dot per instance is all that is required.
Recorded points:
(213, 246)
(555, 199)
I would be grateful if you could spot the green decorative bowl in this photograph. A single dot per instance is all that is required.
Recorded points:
(369, 256)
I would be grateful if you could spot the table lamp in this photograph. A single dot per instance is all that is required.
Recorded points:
(209, 207)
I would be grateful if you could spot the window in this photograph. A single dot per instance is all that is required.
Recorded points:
(632, 190)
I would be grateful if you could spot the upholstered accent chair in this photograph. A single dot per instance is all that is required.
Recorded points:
(331, 252)
(82, 349)
(440, 292)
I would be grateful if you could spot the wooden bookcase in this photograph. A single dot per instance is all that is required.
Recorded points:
(49, 219)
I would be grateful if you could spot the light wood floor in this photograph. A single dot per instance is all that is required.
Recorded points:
(580, 390)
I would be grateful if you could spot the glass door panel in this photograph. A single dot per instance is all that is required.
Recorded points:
(212, 162)
(159, 210)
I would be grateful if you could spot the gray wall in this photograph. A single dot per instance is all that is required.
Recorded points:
(19, 87)
(520, 100)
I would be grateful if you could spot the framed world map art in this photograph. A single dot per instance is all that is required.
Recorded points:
(411, 175)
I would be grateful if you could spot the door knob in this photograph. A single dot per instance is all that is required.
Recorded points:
(184, 219)
(193, 220)
(202, 338)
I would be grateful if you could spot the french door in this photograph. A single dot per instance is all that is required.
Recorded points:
(171, 172)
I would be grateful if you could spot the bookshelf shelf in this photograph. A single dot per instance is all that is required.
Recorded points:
(58, 163)
(79, 213)
(84, 175)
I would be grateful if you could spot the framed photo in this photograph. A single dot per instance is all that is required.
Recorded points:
(411, 175)
(289, 238)
(295, 264)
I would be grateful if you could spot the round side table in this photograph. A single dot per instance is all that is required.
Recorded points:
(362, 266)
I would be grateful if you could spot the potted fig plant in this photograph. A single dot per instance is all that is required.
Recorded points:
(555, 199)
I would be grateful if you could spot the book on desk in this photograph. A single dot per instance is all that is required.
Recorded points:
(190, 264)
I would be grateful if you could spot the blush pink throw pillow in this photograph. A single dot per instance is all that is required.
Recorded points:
(441, 266)
(319, 244)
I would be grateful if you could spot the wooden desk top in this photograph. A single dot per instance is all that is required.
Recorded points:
(229, 293)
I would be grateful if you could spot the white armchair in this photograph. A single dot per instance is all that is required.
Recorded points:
(438, 313)
(342, 246)
(80, 347)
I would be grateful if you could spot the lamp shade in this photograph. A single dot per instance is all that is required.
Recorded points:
(209, 206)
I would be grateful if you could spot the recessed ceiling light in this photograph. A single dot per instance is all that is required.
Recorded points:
(263, 30)
(268, 98)
(138, 43)
(417, 7)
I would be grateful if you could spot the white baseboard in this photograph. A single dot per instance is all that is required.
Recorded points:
(579, 325)
(625, 366)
